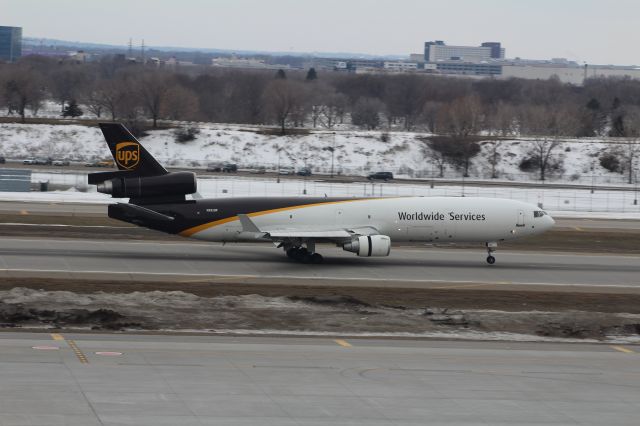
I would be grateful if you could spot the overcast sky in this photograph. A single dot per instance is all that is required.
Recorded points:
(599, 32)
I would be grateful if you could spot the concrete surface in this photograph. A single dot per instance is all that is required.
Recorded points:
(45, 257)
(203, 380)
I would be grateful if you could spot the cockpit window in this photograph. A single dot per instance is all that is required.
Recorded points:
(539, 213)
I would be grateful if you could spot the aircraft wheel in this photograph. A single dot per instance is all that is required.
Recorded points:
(291, 253)
(306, 257)
(491, 260)
(316, 258)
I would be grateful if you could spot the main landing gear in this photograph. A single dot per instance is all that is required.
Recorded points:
(303, 255)
(491, 248)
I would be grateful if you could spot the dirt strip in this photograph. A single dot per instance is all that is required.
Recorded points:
(506, 299)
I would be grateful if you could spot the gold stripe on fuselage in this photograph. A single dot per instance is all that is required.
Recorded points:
(189, 232)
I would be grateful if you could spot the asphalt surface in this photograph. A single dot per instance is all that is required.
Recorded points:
(109, 380)
(93, 210)
(413, 267)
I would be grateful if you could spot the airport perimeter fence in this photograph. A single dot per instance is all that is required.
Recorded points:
(578, 200)
(621, 200)
(432, 173)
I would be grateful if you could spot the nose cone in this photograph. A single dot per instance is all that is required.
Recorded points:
(549, 222)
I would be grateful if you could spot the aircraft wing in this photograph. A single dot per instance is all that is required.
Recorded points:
(250, 230)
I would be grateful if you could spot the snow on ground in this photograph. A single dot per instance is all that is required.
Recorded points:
(356, 152)
(560, 202)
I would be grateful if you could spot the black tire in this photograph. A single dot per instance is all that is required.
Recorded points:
(491, 260)
(316, 258)
(291, 253)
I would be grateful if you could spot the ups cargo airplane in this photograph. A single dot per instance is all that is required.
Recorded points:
(364, 226)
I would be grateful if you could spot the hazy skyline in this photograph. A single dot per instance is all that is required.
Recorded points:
(590, 31)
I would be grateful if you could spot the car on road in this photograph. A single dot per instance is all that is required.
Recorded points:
(258, 170)
(60, 163)
(44, 161)
(2, 159)
(286, 170)
(99, 163)
(385, 176)
(305, 171)
(222, 167)
(29, 161)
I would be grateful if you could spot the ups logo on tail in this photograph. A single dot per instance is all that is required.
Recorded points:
(128, 155)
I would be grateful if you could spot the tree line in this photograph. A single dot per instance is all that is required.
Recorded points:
(456, 109)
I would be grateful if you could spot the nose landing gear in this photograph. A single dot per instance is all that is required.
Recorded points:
(491, 248)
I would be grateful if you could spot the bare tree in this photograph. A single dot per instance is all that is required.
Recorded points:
(68, 83)
(366, 113)
(629, 146)
(334, 110)
(282, 98)
(22, 88)
(153, 90)
(461, 120)
(546, 125)
(429, 116)
(437, 154)
(181, 103)
(405, 96)
(499, 122)
(462, 117)
(116, 95)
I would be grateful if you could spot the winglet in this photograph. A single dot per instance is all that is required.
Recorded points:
(247, 224)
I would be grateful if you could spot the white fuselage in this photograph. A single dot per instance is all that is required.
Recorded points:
(419, 219)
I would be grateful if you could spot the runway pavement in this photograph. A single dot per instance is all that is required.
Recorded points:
(412, 267)
(109, 380)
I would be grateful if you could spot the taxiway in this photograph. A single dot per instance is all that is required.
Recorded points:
(97, 379)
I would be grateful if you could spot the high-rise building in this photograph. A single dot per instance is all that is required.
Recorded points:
(496, 49)
(10, 43)
(438, 51)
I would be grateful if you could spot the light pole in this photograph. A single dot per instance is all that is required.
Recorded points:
(304, 191)
(332, 149)
(593, 177)
(635, 198)
(278, 171)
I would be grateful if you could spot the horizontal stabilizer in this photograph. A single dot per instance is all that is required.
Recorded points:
(137, 212)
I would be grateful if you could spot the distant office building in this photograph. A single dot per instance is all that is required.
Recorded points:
(10, 43)
(497, 52)
(438, 51)
(468, 68)
(400, 66)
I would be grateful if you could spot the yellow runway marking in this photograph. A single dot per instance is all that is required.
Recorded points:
(622, 349)
(81, 356)
(24, 212)
(577, 228)
(343, 343)
(56, 336)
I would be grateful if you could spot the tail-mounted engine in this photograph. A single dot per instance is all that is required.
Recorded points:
(170, 184)
(370, 245)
